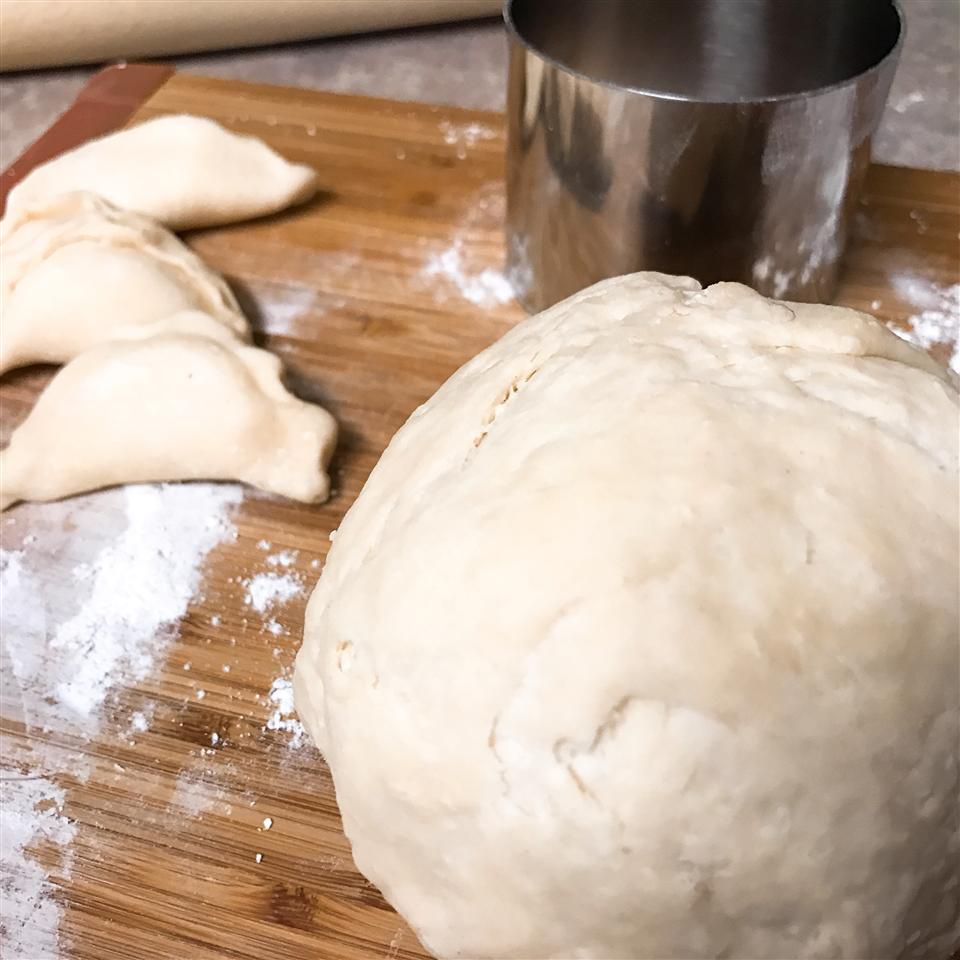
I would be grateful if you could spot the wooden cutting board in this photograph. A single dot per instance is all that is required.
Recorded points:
(198, 831)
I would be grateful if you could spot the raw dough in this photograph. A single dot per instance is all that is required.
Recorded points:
(181, 170)
(168, 408)
(641, 640)
(78, 271)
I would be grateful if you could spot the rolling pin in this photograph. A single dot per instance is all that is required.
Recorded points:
(45, 33)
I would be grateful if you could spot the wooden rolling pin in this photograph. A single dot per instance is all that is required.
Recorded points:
(45, 33)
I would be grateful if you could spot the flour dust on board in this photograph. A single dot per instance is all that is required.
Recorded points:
(92, 599)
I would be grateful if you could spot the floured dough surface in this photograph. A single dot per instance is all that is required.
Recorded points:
(168, 407)
(641, 640)
(182, 170)
(78, 271)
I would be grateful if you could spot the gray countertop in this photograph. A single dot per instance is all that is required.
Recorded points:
(465, 65)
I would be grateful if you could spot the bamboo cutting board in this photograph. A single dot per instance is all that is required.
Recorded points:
(194, 827)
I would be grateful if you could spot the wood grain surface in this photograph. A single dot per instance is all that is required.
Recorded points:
(372, 294)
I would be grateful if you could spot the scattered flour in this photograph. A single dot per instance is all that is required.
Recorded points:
(142, 585)
(283, 717)
(938, 318)
(289, 309)
(193, 796)
(465, 134)
(72, 637)
(139, 722)
(266, 590)
(285, 558)
(283, 307)
(286, 309)
(30, 813)
(485, 289)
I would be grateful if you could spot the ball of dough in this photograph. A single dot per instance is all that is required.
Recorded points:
(641, 640)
